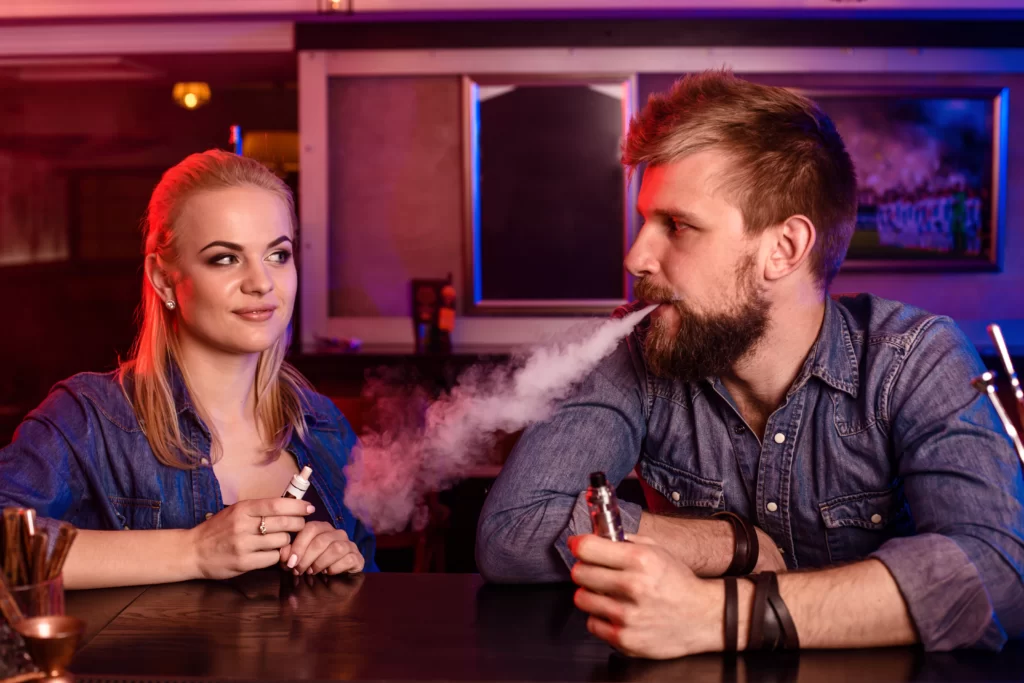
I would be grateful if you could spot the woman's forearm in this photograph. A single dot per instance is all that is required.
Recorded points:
(101, 559)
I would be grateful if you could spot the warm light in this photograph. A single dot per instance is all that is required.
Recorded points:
(191, 95)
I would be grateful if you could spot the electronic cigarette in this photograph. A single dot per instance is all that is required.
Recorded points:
(299, 484)
(604, 508)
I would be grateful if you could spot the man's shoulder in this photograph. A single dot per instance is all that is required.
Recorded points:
(875, 321)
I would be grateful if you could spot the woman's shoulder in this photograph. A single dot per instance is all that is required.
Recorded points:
(102, 392)
(321, 412)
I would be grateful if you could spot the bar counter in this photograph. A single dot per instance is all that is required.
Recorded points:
(426, 627)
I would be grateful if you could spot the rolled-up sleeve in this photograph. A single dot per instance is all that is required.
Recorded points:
(961, 574)
(536, 502)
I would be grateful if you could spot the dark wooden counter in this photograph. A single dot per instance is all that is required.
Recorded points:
(428, 627)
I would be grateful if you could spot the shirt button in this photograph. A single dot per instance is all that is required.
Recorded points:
(772, 507)
(738, 429)
(208, 515)
(205, 461)
(675, 496)
(780, 438)
(876, 519)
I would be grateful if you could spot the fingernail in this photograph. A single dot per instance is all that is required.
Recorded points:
(310, 509)
(295, 572)
(309, 571)
(292, 560)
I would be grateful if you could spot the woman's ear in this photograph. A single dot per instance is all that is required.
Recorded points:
(161, 279)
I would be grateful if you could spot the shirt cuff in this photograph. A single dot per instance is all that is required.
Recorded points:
(943, 591)
(579, 523)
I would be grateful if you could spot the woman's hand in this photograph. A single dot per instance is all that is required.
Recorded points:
(319, 547)
(231, 543)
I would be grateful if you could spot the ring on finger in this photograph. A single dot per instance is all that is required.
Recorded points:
(263, 526)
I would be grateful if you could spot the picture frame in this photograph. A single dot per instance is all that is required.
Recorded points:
(549, 209)
(931, 175)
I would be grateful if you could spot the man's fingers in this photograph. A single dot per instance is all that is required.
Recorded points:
(607, 608)
(641, 540)
(600, 551)
(602, 580)
(607, 632)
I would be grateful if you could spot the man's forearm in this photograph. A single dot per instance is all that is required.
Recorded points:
(706, 546)
(855, 606)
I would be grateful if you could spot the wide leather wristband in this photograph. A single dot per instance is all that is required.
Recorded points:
(746, 549)
(790, 640)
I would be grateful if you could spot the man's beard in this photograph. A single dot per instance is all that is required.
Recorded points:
(705, 345)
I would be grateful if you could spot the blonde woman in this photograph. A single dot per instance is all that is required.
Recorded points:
(173, 466)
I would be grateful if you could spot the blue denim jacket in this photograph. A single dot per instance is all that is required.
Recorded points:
(881, 449)
(81, 457)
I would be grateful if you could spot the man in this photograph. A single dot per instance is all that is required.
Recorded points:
(847, 431)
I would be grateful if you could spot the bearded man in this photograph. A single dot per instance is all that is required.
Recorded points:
(772, 426)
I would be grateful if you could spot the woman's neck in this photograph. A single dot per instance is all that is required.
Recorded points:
(222, 383)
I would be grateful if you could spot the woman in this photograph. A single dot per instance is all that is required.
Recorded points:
(173, 467)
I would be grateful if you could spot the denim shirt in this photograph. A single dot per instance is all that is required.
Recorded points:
(81, 457)
(881, 448)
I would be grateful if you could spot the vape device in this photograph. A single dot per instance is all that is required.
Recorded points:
(604, 508)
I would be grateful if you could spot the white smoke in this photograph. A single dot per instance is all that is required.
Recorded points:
(427, 446)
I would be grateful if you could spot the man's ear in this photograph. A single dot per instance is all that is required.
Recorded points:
(790, 245)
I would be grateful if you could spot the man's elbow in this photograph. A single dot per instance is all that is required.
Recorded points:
(504, 554)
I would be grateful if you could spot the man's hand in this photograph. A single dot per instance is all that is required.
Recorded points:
(769, 559)
(643, 602)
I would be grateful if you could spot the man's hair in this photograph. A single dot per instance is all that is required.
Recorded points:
(788, 157)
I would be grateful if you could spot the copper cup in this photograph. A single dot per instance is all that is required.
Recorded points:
(51, 641)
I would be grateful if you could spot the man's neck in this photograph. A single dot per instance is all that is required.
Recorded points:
(759, 382)
(222, 383)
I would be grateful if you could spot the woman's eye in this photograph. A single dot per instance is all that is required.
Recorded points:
(223, 260)
(281, 256)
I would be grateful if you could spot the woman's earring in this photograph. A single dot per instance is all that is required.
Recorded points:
(170, 304)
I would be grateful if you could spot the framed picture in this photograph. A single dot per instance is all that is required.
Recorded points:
(549, 208)
(931, 175)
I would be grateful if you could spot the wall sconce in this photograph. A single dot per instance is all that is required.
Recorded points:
(191, 95)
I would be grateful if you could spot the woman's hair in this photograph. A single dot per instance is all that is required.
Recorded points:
(788, 157)
(156, 352)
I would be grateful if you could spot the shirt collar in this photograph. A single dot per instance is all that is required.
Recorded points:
(183, 400)
(832, 358)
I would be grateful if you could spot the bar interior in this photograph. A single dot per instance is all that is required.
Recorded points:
(590, 340)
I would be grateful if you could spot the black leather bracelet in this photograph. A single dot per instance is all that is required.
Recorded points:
(732, 615)
(746, 548)
(789, 639)
(756, 638)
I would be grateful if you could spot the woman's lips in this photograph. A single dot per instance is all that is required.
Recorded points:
(256, 315)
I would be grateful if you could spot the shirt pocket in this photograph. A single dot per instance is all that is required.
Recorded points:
(136, 513)
(857, 524)
(684, 490)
